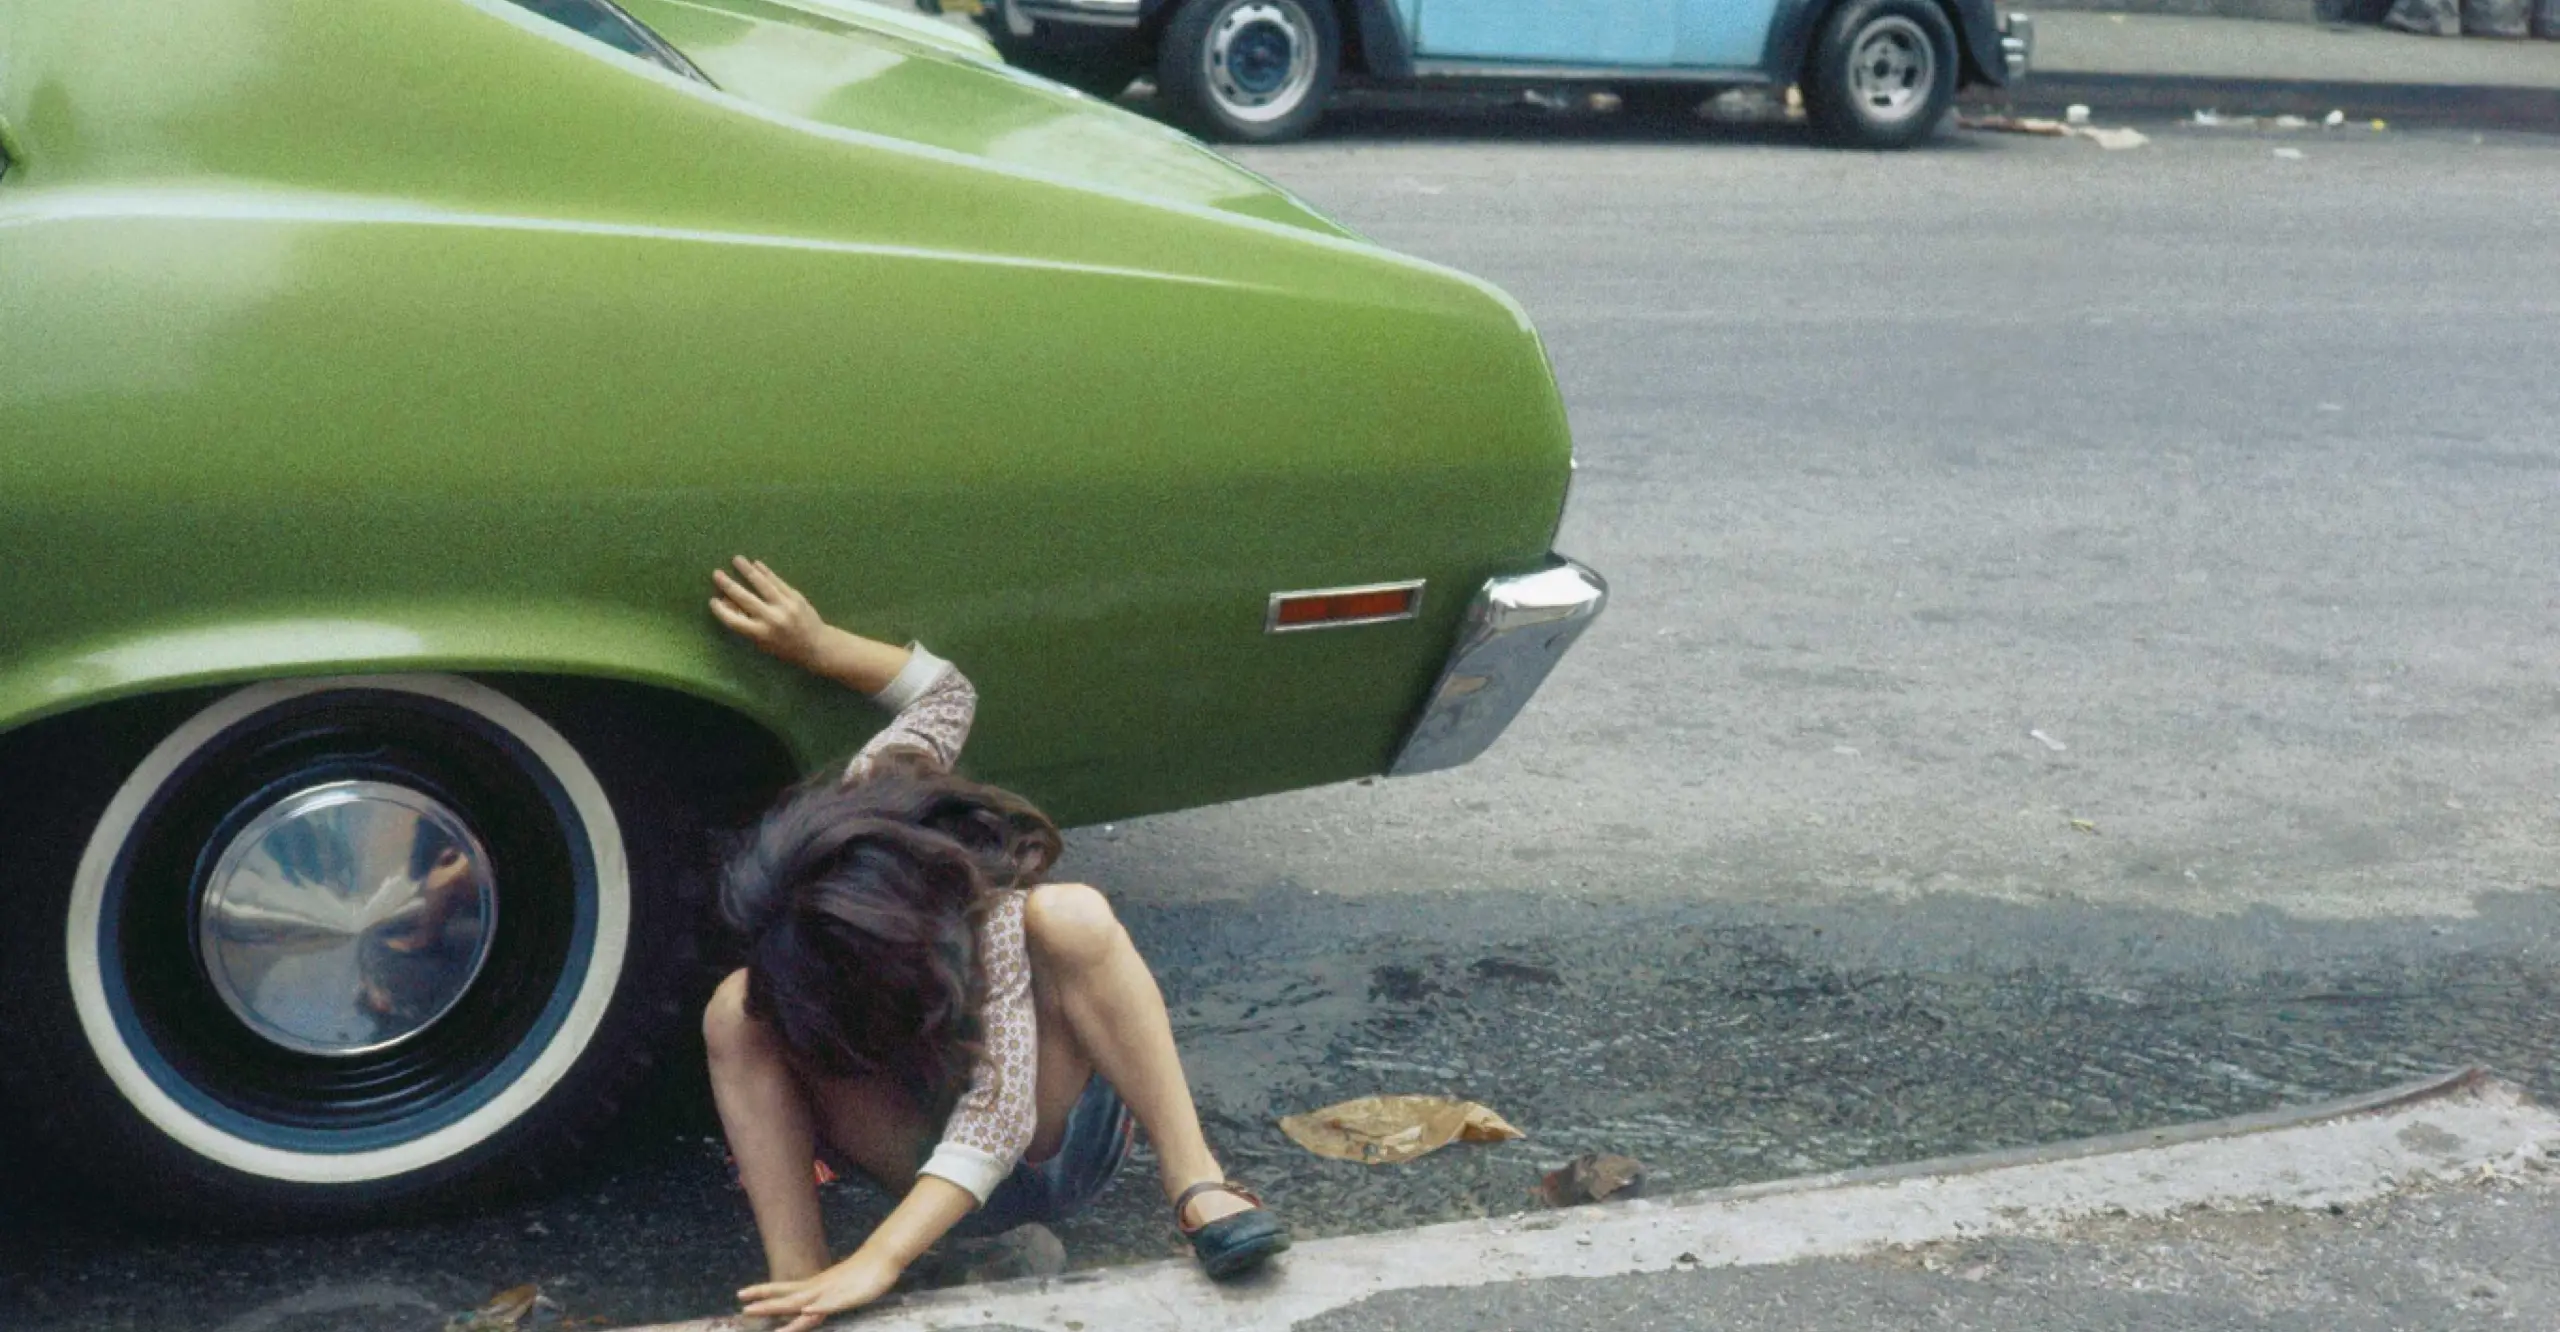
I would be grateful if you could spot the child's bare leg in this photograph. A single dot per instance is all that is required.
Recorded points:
(766, 1115)
(1064, 1070)
(1111, 1001)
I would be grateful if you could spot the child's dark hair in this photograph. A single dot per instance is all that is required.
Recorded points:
(858, 905)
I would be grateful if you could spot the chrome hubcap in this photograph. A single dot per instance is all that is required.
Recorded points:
(1261, 58)
(1892, 68)
(347, 918)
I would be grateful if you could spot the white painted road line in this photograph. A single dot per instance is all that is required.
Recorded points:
(2342, 1152)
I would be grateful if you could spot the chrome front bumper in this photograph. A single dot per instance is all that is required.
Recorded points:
(2017, 44)
(1515, 632)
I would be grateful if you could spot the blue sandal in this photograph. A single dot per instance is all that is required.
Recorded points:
(1231, 1245)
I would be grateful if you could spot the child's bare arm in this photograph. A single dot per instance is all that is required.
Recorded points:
(935, 703)
(759, 607)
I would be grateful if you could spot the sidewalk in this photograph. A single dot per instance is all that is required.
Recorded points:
(2475, 1256)
(2428, 1206)
(2118, 63)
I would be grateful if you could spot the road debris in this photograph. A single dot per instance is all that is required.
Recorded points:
(2110, 138)
(1749, 106)
(1511, 969)
(2333, 120)
(2014, 125)
(2427, 18)
(2047, 741)
(2075, 114)
(1391, 1130)
(1591, 1177)
(2289, 154)
(506, 1311)
(2084, 825)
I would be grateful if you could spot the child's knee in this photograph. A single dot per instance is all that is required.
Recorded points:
(728, 1031)
(1072, 923)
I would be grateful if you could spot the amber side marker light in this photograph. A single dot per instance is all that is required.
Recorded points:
(1339, 607)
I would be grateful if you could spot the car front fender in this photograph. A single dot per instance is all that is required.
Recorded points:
(560, 639)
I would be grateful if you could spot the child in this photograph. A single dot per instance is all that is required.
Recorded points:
(917, 999)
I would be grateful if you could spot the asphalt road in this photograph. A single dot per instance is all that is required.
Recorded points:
(2082, 657)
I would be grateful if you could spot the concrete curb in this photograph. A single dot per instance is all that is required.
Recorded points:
(2410, 105)
(2456, 1126)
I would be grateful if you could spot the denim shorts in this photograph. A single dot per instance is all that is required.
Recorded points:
(1100, 1130)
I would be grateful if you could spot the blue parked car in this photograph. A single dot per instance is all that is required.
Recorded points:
(1874, 73)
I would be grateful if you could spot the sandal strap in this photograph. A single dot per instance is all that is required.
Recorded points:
(1183, 1204)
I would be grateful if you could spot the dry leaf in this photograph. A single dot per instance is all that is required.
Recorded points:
(2015, 125)
(1390, 1130)
(502, 1313)
(1591, 1177)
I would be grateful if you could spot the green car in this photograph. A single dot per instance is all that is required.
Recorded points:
(380, 379)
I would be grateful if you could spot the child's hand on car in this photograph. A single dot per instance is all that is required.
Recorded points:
(756, 605)
(759, 607)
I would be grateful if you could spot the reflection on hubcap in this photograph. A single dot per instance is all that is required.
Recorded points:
(1892, 69)
(1262, 58)
(347, 918)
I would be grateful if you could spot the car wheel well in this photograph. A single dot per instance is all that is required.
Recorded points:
(1968, 70)
(732, 765)
(1355, 47)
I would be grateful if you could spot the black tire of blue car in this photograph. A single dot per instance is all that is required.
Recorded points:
(1088, 58)
(234, 998)
(1249, 71)
(1881, 74)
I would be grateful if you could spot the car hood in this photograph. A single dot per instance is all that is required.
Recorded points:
(872, 69)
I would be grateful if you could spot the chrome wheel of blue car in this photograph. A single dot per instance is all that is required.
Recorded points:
(1255, 70)
(1882, 74)
(1892, 68)
(1261, 58)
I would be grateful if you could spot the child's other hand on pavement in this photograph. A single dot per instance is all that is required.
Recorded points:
(850, 1284)
(759, 607)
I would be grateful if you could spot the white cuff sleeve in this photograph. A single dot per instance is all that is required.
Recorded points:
(967, 1167)
(922, 672)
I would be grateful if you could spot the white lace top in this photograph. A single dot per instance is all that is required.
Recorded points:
(993, 1123)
